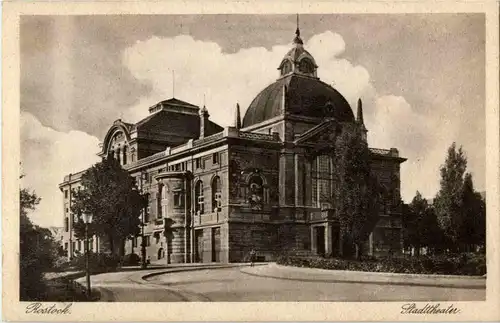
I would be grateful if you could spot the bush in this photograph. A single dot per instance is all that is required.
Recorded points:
(97, 262)
(131, 259)
(462, 264)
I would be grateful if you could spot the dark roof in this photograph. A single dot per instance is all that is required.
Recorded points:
(174, 101)
(180, 124)
(306, 96)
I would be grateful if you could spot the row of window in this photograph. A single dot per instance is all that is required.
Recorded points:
(199, 197)
(78, 246)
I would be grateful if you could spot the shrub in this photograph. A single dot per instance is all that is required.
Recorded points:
(97, 262)
(131, 259)
(462, 264)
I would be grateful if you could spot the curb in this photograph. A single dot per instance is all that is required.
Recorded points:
(385, 274)
(348, 281)
(182, 269)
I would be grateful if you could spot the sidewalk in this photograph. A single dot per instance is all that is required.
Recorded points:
(323, 275)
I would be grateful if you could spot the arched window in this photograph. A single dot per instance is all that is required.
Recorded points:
(198, 196)
(256, 192)
(287, 68)
(322, 181)
(306, 66)
(125, 155)
(216, 193)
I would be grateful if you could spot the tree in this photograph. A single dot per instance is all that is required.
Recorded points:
(38, 250)
(473, 230)
(358, 193)
(448, 202)
(109, 193)
(420, 227)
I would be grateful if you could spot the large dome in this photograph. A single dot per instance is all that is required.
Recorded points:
(305, 96)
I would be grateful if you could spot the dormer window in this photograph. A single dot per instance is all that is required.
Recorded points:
(306, 66)
(286, 68)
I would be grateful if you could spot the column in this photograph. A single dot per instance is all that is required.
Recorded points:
(299, 179)
(328, 238)
(314, 247)
(308, 183)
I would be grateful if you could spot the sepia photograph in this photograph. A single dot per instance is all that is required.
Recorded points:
(253, 157)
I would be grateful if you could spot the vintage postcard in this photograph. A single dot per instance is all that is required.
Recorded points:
(208, 161)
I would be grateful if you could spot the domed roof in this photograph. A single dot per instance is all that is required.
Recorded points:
(305, 96)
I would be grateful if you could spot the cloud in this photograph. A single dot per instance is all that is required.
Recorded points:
(47, 156)
(202, 68)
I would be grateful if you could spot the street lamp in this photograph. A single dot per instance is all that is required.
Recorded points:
(87, 218)
(144, 208)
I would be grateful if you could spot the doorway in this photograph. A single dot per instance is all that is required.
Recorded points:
(215, 244)
(198, 245)
(319, 233)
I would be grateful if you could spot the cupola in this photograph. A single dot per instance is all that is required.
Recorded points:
(298, 60)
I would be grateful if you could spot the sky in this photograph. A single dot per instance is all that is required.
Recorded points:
(421, 78)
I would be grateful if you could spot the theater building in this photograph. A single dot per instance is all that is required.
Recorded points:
(261, 184)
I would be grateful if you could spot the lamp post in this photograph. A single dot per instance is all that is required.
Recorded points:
(87, 218)
(145, 201)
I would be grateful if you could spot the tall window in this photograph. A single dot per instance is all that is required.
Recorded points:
(322, 180)
(66, 224)
(215, 158)
(199, 200)
(159, 206)
(216, 193)
(256, 190)
(124, 155)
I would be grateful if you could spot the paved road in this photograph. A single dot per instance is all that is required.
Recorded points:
(233, 285)
(230, 284)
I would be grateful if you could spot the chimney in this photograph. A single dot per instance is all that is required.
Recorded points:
(203, 121)
(237, 121)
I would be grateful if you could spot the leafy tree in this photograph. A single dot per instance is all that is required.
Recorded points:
(38, 250)
(420, 227)
(358, 193)
(109, 193)
(473, 229)
(448, 202)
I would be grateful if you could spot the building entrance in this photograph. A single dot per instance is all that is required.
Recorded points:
(198, 246)
(319, 235)
(215, 244)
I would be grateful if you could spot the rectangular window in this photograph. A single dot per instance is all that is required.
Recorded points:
(74, 246)
(201, 204)
(183, 166)
(200, 164)
(147, 241)
(218, 200)
(79, 245)
(178, 199)
(146, 215)
(65, 246)
(215, 158)
(66, 224)
(134, 242)
(65, 194)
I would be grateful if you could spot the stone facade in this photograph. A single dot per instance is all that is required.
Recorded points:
(217, 193)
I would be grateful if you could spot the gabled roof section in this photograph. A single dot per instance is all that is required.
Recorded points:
(176, 105)
(328, 128)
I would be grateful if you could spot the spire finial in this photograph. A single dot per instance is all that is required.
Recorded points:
(297, 32)
(297, 39)
(360, 112)
(237, 122)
